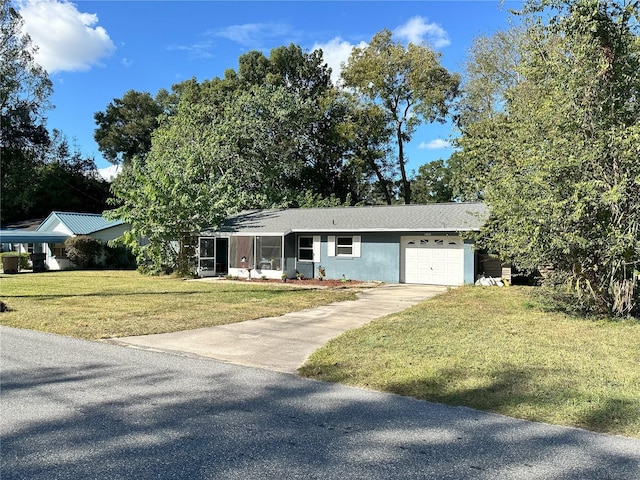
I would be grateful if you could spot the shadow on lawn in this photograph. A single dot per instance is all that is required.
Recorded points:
(107, 412)
(512, 390)
(269, 291)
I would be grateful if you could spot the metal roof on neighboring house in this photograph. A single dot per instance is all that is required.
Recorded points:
(82, 223)
(437, 217)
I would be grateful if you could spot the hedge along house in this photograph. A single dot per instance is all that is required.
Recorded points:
(49, 237)
(392, 244)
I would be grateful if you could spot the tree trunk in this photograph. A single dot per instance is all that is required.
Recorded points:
(406, 185)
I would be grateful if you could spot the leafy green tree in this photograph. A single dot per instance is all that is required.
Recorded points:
(124, 129)
(67, 181)
(25, 89)
(207, 162)
(274, 134)
(407, 82)
(304, 73)
(432, 184)
(562, 176)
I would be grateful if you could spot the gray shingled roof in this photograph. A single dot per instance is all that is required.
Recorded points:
(439, 217)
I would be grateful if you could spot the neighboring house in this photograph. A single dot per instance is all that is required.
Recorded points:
(393, 244)
(49, 237)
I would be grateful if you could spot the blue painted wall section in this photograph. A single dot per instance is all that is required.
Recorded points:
(379, 259)
(469, 262)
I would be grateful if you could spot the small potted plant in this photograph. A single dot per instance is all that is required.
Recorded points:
(321, 273)
(284, 277)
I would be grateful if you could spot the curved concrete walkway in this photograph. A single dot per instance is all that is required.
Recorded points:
(284, 343)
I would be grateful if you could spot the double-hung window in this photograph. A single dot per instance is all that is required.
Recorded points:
(344, 246)
(309, 248)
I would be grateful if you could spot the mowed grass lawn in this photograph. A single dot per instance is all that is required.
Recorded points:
(104, 304)
(497, 350)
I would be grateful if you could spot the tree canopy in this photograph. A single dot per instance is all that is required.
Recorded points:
(38, 170)
(274, 139)
(125, 127)
(408, 83)
(556, 155)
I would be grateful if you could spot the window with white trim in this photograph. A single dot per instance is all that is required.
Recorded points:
(309, 248)
(305, 248)
(344, 246)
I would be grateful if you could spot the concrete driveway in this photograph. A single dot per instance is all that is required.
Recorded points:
(284, 343)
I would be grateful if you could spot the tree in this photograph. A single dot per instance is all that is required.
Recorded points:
(24, 92)
(67, 181)
(408, 83)
(207, 162)
(125, 127)
(432, 184)
(562, 178)
(289, 67)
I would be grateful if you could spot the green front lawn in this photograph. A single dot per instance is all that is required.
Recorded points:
(497, 350)
(103, 304)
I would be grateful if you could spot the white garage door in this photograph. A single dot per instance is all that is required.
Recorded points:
(433, 260)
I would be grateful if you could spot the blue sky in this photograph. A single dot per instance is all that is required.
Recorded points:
(95, 51)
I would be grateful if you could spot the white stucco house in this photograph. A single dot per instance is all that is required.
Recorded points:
(49, 237)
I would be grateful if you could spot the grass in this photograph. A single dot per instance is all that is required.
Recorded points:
(104, 304)
(497, 350)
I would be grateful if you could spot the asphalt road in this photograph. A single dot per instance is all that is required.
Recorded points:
(72, 409)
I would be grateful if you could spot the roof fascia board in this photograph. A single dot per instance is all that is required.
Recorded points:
(383, 230)
(419, 231)
(247, 233)
(45, 223)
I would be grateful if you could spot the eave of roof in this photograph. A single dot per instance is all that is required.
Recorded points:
(27, 236)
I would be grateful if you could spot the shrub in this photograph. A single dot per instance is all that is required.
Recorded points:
(83, 250)
(119, 257)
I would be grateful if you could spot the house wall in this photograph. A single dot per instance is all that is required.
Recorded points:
(379, 259)
(55, 263)
(110, 233)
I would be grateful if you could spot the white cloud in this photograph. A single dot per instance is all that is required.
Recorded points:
(417, 30)
(67, 40)
(200, 50)
(252, 34)
(110, 173)
(436, 144)
(335, 52)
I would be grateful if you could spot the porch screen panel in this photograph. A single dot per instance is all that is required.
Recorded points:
(269, 252)
(241, 247)
(207, 247)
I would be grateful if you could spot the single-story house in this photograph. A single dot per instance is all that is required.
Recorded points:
(393, 244)
(48, 238)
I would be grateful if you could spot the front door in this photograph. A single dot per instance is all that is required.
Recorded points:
(213, 257)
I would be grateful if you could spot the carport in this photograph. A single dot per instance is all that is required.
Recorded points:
(9, 238)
